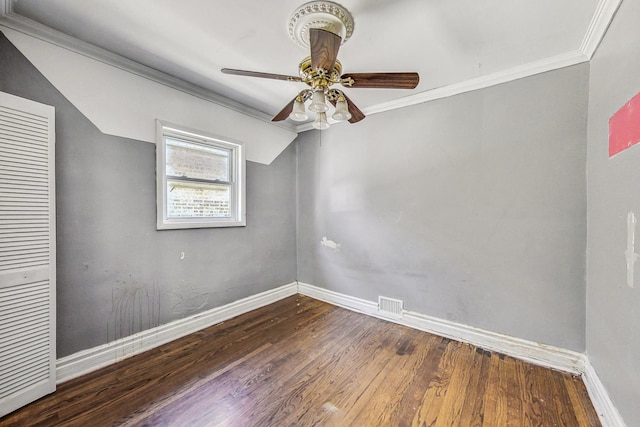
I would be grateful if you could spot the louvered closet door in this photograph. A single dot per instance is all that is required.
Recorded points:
(27, 252)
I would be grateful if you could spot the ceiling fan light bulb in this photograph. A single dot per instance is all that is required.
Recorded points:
(321, 122)
(342, 111)
(298, 114)
(318, 104)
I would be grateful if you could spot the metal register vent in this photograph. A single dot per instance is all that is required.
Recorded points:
(390, 307)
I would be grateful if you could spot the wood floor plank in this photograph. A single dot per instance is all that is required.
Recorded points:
(580, 403)
(383, 395)
(542, 395)
(561, 400)
(495, 397)
(412, 396)
(303, 362)
(456, 394)
(432, 402)
(349, 388)
(531, 414)
(473, 408)
(509, 371)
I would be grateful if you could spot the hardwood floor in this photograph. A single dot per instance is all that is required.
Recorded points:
(303, 362)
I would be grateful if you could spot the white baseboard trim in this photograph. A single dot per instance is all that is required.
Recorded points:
(341, 300)
(86, 361)
(607, 412)
(530, 351)
(540, 354)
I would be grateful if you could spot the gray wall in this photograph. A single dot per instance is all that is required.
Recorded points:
(470, 208)
(117, 275)
(613, 308)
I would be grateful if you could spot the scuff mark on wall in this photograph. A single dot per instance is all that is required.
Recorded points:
(630, 253)
(330, 244)
(188, 299)
(135, 307)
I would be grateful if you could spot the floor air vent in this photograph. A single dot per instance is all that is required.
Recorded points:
(390, 307)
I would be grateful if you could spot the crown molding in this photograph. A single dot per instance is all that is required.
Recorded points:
(481, 82)
(602, 18)
(600, 21)
(34, 29)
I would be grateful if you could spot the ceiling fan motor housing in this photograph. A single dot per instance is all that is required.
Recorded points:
(325, 15)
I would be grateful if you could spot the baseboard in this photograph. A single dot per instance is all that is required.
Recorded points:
(540, 354)
(545, 355)
(530, 351)
(607, 412)
(341, 300)
(86, 361)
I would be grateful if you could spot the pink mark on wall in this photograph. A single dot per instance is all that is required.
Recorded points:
(624, 127)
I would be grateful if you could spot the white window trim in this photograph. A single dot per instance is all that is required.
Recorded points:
(238, 171)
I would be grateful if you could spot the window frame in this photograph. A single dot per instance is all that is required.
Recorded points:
(237, 184)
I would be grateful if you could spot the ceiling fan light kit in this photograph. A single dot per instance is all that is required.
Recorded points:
(342, 110)
(322, 26)
(321, 122)
(318, 103)
(298, 114)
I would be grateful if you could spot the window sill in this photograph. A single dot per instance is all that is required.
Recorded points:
(185, 224)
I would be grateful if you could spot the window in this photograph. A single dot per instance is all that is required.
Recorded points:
(200, 180)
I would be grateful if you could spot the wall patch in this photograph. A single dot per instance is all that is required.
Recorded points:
(330, 244)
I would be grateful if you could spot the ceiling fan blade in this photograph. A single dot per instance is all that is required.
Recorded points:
(356, 114)
(284, 113)
(383, 80)
(260, 74)
(324, 49)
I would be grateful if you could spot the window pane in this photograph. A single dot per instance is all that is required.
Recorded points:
(196, 200)
(197, 161)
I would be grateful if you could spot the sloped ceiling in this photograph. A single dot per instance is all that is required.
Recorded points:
(451, 43)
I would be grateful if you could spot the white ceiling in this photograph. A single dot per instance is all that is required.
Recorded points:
(445, 41)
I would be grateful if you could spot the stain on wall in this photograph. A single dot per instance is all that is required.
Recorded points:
(135, 307)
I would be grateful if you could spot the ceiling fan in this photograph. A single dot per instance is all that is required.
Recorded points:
(322, 26)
